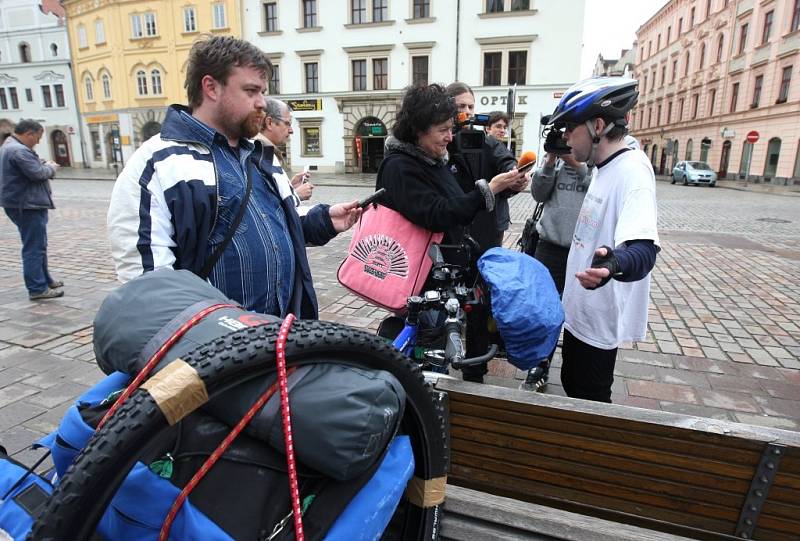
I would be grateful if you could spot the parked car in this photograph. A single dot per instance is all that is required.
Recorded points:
(694, 173)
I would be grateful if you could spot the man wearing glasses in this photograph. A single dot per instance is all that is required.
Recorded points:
(614, 246)
(275, 133)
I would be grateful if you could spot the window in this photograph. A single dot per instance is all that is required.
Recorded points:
(141, 83)
(380, 10)
(155, 78)
(271, 17)
(686, 65)
(767, 27)
(663, 74)
(312, 76)
(674, 71)
(680, 109)
(520, 5)
(689, 146)
(359, 74)
(422, 9)
(309, 14)
(87, 82)
(658, 43)
(712, 98)
(658, 115)
(150, 24)
(24, 53)
(695, 104)
(644, 85)
(669, 113)
(702, 56)
(136, 26)
(54, 49)
(275, 80)
(106, 81)
(12, 92)
(99, 32)
(359, 11)
(28, 95)
(219, 16)
(419, 70)
(3, 100)
(720, 44)
(795, 17)
(517, 67)
(680, 26)
(649, 48)
(494, 6)
(12, 95)
(669, 31)
(734, 96)
(47, 97)
(380, 73)
(742, 37)
(96, 148)
(311, 141)
(708, 8)
(691, 18)
(491, 68)
(759, 82)
(649, 117)
(189, 19)
(83, 41)
(59, 89)
(786, 78)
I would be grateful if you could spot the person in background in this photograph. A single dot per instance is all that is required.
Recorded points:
(275, 133)
(560, 184)
(176, 199)
(498, 125)
(26, 196)
(615, 243)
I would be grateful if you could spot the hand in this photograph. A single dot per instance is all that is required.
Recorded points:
(344, 215)
(513, 180)
(596, 275)
(299, 179)
(53, 164)
(550, 160)
(304, 191)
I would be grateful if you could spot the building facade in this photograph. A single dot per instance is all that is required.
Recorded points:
(36, 81)
(343, 65)
(129, 60)
(719, 82)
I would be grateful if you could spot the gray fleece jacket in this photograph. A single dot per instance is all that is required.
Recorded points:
(561, 189)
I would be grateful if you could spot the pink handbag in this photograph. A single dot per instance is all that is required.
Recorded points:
(387, 260)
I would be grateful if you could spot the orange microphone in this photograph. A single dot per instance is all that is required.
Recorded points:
(526, 161)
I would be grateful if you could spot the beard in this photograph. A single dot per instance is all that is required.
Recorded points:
(247, 127)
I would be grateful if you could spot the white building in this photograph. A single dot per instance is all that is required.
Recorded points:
(343, 64)
(35, 80)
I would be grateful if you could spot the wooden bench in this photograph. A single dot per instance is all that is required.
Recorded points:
(682, 475)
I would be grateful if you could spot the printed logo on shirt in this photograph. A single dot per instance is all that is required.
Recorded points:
(382, 256)
(572, 187)
(588, 221)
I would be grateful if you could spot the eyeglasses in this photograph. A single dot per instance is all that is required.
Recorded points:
(279, 119)
(571, 126)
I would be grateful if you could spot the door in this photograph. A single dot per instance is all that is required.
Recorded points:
(663, 163)
(723, 162)
(773, 153)
(372, 153)
(744, 163)
(60, 148)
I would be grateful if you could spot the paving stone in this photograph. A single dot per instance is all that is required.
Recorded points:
(662, 391)
(729, 401)
(64, 392)
(17, 413)
(778, 407)
(697, 365)
(698, 411)
(767, 421)
(698, 380)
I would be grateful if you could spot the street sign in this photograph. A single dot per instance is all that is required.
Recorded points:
(752, 137)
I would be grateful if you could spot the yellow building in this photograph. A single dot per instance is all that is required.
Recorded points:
(129, 60)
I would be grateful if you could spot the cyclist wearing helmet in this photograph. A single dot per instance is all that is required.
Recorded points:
(615, 242)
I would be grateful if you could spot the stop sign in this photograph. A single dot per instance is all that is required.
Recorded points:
(752, 137)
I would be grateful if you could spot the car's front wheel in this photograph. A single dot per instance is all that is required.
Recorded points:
(673, 178)
(685, 181)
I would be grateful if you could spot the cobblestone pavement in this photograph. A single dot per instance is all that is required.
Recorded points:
(723, 339)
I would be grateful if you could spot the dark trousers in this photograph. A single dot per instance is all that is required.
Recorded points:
(32, 226)
(586, 371)
(554, 258)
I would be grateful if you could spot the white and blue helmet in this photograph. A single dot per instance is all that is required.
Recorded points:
(607, 97)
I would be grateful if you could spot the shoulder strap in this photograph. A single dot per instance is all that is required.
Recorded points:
(211, 261)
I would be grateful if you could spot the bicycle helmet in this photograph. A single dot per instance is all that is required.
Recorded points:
(607, 97)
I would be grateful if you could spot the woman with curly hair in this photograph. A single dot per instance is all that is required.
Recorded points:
(414, 171)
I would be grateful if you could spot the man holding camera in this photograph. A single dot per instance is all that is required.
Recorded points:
(473, 156)
(560, 185)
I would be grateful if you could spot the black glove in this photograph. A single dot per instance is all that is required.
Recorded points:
(608, 261)
(554, 143)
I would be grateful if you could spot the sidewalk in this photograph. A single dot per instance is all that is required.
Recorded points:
(745, 186)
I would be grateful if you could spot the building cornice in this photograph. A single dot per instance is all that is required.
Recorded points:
(507, 40)
(369, 49)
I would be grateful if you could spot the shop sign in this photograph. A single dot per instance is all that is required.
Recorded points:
(501, 100)
(102, 119)
(305, 105)
(728, 133)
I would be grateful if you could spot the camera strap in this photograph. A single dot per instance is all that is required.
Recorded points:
(211, 261)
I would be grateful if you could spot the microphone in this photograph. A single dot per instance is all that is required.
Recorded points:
(526, 160)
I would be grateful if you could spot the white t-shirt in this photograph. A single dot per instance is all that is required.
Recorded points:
(620, 206)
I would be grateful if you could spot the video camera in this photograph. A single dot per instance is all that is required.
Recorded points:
(467, 137)
(554, 137)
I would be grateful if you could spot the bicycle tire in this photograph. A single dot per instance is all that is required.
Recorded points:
(80, 499)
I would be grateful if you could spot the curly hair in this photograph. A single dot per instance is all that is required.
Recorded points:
(217, 56)
(423, 106)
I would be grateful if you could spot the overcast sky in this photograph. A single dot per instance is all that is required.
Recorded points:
(610, 26)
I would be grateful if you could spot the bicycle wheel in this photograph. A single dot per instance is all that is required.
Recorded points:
(79, 501)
